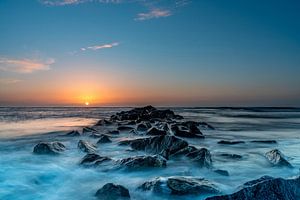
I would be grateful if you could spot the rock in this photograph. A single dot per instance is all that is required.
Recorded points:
(103, 122)
(178, 185)
(131, 123)
(143, 162)
(143, 126)
(114, 132)
(202, 157)
(73, 133)
(103, 139)
(253, 182)
(93, 159)
(230, 142)
(185, 151)
(276, 158)
(157, 144)
(124, 128)
(192, 133)
(265, 141)
(111, 191)
(222, 172)
(165, 154)
(231, 156)
(154, 131)
(49, 148)
(88, 130)
(266, 189)
(86, 147)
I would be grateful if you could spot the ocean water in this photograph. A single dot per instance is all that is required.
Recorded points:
(26, 176)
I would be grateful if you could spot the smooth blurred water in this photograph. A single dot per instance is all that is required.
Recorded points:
(28, 177)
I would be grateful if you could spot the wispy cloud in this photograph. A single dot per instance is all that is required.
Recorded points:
(8, 81)
(24, 65)
(74, 2)
(154, 13)
(103, 46)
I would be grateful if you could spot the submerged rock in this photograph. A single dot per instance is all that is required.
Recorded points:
(276, 158)
(143, 162)
(265, 141)
(156, 144)
(73, 133)
(49, 148)
(222, 172)
(103, 139)
(202, 157)
(230, 142)
(154, 131)
(231, 156)
(266, 188)
(111, 191)
(86, 147)
(93, 159)
(179, 185)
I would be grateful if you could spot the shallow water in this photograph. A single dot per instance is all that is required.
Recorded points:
(27, 176)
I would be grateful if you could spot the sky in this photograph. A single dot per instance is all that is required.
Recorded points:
(159, 52)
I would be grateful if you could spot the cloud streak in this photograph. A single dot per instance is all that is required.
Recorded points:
(153, 13)
(74, 2)
(8, 81)
(24, 65)
(103, 46)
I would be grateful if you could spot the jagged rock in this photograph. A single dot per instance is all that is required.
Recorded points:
(189, 133)
(230, 142)
(156, 144)
(266, 188)
(185, 151)
(165, 154)
(231, 156)
(276, 158)
(265, 141)
(86, 147)
(178, 185)
(143, 162)
(154, 131)
(222, 172)
(73, 133)
(88, 130)
(143, 126)
(103, 122)
(125, 128)
(114, 132)
(93, 159)
(49, 148)
(111, 191)
(103, 139)
(131, 123)
(202, 157)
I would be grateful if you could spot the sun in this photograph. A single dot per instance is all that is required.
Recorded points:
(87, 103)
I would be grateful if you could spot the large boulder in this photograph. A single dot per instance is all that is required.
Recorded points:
(266, 188)
(178, 185)
(154, 131)
(93, 159)
(73, 133)
(276, 158)
(49, 148)
(186, 131)
(202, 157)
(143, 162)
(156, 144)
(111, 191)
(86, 147)
(143, 126)
(103, 139)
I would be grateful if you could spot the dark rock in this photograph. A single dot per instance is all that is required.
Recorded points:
(131, 123)
(103, 139)
(143, 126)
(265, 141)
(222, 172)
(202, 157)
(124, 128)
(192, 133)
(180, 186)
(231, 156)
(266, 189)
(111, 191)
(185, 151)
(114, 132)
(49, 148)
(230, 142)
(253, 182)
(206, 125)
(143, 162)
(73, 133)
(93, 159)
(165, 154)
(276, 158)
(154, 131)
(103, 122)
(157, 144)
(86, 147)
(88, 130)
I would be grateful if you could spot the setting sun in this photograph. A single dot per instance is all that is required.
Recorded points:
(86, 103)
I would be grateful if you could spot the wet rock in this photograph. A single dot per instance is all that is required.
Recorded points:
(51, 148)
(222, 172)
(253, 182)
(178, 185)
(93, 159)
(131, 123)
(125, 128)
(111, 191)
(73, 133)
(276, 158)
(143, 162)
(265, 141)
(103, 122)
(206, 125)
(266, 189)
(202, 157)
(231, 156)
(185, 151)
(230, 142)
(143, 126)
(86, 147)
(114, 132)
(103, 139)
(165, 154)
(154, 131)
(88, 130)
(189, 133)
(156, 144)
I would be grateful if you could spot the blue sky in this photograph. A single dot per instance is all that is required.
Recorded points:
(180, 52)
